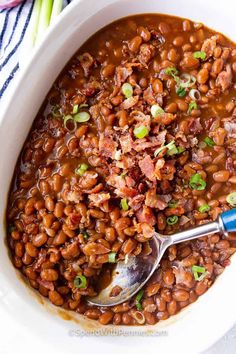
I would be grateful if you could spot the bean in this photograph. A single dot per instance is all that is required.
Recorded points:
(55, 298)
(221, 176)
(180, 295)
(93, 314)
(157, 86)
(202, 76)
(49, 274)
(135, 43)
(168, 277)
(31, 250)
(153, 289)
(172, 307)
(200, 288)
(106, 317)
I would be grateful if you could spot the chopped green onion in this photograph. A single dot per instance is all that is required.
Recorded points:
(81, 170)
(171, 71)
(69, 120)
(192, 105)
(196, 182)
(172, 204)
(172, 150)
(75, 109)
(181, 92)
(194, 94)
(171, 220)
(82, 117)
(86, 235)
(138, 299)
(11, 228)
(112, 257)
(199, 55)
(231, 199)
(196, 270)
(124, 205)
(180, 149)
(56, 9)
(55, 112)
(156, 110)
(80, 282)
(141, 131)
(209, 141)
(187, 80)
(204, 208)
(44, 18)
(127, 90)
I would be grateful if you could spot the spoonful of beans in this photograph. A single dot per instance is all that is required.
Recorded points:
(130, 275)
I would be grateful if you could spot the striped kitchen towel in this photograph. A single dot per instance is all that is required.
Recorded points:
(13, 26)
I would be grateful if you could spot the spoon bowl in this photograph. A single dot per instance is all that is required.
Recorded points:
(130, 275)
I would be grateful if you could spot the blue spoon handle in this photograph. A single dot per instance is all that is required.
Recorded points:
(229, 220)
(225, 223)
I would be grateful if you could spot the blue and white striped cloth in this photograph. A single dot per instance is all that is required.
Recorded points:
(13, 26)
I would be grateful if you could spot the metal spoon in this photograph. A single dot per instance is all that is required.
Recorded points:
(131, 276)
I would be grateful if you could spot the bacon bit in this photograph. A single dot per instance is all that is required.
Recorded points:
(201, 156)
(96, 189)
(209, 46)
(73, 221)
(183, 276)
(107, 146)
(168, 171)
(130, 181)
(136, 202)
(99, 198)
(145, 215)
(224, 79)
(127, 192)
(148, 96)
(72, 196)
(146, 53)
(126, 143)
(86, 61)
(195, 125)
(147, 230)
(130, 102)
(123, 72)
(150, 142)
(183, 220)
(158, 166)
(178, 210)
(46, 284)
(151, 198)
(94, 111)
(147, 167)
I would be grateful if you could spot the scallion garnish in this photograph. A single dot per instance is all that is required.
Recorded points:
(81, 117)
(80, 281)
(124, 204)
(138, 299)
(81, 169)
(85, 235)
(198, 270)
(172, 220)
(231, 199)
(172, 71)
(112, 257)
(200, 55)
(204, 208)
(127, 90)
(209, 141)
(196, 182)
(75, 109)
(181, 92)
(194, 94)
(172, 204)
(156, 110)
(172, 149)
(69, 123)
(192, 105)
(141, 131)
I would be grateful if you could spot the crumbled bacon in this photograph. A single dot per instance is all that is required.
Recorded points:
(146, 53)
(99, 198)
(145, 214)
(147, 167)
(224, 79)
(130, 102)
(136, 202)
(209, 46)
(87, 61)
(107, 146)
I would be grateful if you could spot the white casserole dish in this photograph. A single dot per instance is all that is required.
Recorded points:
(200, 324)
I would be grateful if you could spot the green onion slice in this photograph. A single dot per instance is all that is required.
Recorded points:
(196, 182)
(204, 208)
(80, 282)
(75, 109)
(187, 80)
(172, 204)
(124, 204)
(198, 270)
(156, 110)
(172, 220)
(200, 55)
(172, 71)
(86, 235)
(192, 105)
(81, 117)
(181, 92)
(194, 94)
(112, 257)
(172, 149)
(209, 141)
(127, 90)
(231, 199)
(138, 299)
(81, 169)
(69, 123)
(141, 131)
(55, 112)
